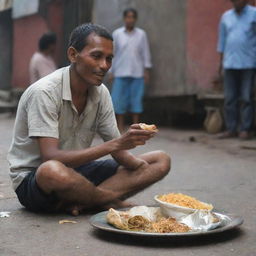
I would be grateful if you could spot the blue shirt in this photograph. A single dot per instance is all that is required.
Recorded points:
(237, 38)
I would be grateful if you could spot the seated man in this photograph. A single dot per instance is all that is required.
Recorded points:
(52, 165)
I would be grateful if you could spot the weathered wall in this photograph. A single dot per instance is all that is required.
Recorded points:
(6, 49)
(202, 33)
(27, 32)
(165, 24)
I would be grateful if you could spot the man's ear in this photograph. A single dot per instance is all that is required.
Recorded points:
(72, 54)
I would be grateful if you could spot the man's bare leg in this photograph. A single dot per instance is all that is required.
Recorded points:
(135, 118)
(76, 190)
(128, 182)
(71, 187)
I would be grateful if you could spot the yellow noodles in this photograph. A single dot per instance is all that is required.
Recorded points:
(185, 201)
(168, 225)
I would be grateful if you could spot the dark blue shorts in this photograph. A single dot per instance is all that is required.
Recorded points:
(33, 198)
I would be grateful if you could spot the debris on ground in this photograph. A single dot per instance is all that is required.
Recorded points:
(4, 214)
(67, 221)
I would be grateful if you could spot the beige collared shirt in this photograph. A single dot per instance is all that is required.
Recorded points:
(46, 110)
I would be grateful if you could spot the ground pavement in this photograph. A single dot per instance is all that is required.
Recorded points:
(220, 172)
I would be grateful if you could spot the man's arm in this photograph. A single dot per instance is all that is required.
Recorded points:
(220, 65)
(221, 44)
(49, 148)
(146, 58)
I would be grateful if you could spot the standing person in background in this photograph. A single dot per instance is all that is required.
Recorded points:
(42, 62)
(237, 48)
(130, 68)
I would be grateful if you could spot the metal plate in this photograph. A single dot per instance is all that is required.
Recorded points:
(99, 221)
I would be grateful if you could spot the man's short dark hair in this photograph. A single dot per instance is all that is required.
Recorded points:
(46, 40)
(126, 11)
(78, 37)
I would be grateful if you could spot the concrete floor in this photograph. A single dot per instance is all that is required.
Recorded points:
(219, 172)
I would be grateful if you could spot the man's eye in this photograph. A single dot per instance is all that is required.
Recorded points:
(109, 59)
(96, 56)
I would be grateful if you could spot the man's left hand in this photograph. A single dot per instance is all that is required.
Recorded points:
(146, 76)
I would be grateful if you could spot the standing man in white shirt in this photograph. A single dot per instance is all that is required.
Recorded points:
(130, 68)
(42, 62)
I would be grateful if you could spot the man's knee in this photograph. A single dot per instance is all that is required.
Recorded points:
(164, 161)
(53, 175)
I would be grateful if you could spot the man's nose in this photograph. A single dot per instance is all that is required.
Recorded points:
(104, 64)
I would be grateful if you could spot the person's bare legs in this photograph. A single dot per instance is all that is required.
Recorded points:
(71, 187)
(74, 189)
(128, 182)
(120, 122)
(135, 118)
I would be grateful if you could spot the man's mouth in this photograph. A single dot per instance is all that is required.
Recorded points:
(100, 74)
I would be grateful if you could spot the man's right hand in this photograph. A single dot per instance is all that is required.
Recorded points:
(134, 137)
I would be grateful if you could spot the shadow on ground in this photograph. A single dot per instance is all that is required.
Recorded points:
(168, 242)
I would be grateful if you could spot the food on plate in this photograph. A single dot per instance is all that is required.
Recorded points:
(148, 127)
(169, 225)
(155, 224)
(184, 201)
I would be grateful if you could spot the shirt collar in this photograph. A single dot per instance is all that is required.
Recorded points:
(93, 94)
(133, 31)
(245, 9)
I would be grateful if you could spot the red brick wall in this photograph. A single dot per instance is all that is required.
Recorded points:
(26, 33)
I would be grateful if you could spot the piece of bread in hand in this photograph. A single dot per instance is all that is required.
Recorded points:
(148, 127)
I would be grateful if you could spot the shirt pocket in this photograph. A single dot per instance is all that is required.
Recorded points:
(86, 136)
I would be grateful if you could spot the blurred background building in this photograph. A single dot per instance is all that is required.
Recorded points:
(182, 36)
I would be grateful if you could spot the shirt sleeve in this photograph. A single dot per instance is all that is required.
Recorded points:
(146, 52)
(42, 115)
(107, 126)
(222, 37)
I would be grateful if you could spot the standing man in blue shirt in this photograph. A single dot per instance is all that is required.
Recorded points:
(237, 48)
(130, 68)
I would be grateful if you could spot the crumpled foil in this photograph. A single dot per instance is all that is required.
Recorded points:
(202, 220)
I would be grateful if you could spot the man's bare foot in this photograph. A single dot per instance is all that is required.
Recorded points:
(74, 210)
(118, 204)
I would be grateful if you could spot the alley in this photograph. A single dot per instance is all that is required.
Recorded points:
(217, 172)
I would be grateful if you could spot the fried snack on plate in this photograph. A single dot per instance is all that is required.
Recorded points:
(185, 201)
(148, 127)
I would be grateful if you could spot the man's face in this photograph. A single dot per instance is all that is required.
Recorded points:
(239, 4)
(93, 62)
(130, 20)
